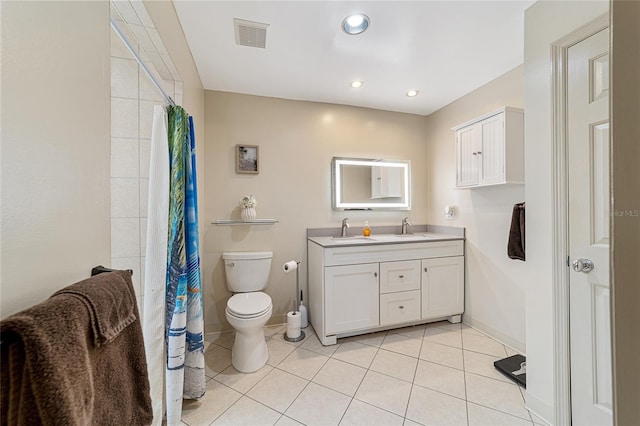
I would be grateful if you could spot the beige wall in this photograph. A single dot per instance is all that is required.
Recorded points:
(545, 23)
(494, 289)
(55, 147)
(625, 153)
(297, 141)
(55, 140)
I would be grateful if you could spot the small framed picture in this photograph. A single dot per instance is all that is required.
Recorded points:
(247, 159)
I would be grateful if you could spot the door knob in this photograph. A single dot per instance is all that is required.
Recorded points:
(582, 265)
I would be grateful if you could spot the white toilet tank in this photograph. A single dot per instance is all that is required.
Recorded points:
(247, 270)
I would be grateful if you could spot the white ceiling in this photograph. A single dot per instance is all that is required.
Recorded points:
(444, 49)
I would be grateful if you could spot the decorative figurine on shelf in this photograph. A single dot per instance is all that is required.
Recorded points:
(248, 204)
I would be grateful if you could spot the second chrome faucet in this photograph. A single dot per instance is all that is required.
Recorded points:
(405, 226)
(345, 226)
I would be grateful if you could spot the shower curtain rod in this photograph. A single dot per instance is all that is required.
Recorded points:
(166, 97)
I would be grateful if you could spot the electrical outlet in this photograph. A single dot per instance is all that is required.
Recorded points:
(449, 213)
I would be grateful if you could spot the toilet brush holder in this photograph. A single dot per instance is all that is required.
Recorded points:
(294, 319)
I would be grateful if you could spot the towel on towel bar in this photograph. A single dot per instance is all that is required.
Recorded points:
(77, 358)
(515, 246)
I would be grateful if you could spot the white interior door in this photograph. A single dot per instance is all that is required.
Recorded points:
(589, 203)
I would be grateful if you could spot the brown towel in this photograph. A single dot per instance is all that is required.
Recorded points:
(76, 359)
(515, 246)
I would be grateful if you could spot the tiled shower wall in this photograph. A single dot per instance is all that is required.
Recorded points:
(133, 97)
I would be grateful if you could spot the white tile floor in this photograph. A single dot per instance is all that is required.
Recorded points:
(434, 374)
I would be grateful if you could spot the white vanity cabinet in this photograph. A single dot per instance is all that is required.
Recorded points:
(490, 149)
(360, 288)
(351, 292)
(442, 286)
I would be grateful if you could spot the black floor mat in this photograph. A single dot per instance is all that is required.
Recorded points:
(508, 366)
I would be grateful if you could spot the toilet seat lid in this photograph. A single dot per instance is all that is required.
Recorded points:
(249, 304)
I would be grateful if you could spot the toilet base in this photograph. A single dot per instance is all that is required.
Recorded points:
(249, 352)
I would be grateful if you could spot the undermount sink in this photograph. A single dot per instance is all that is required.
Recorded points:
(385, 238)
(353, 237)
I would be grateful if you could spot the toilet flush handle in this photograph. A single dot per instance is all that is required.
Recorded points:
(231, 265)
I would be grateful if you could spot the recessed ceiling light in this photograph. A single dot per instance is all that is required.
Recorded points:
(355, 24)
(355, 84)
(412, 93)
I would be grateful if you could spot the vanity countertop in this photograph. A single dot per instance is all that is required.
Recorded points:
(376, 239)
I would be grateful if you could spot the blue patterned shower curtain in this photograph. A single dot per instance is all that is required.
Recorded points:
(184, 322)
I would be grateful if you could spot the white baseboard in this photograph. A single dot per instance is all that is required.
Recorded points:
(539, 408)
(514, 344)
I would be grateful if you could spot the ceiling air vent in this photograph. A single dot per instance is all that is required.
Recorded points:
(252, 34)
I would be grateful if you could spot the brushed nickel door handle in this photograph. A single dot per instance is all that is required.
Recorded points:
(582, 265)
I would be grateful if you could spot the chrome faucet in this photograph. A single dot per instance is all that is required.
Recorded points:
(405, 225)
(345, 226)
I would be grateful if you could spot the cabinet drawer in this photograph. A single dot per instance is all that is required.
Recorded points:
(399, 276)
(352, 255)
(396, 308)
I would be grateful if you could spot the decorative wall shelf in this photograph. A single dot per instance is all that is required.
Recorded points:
(242, 222)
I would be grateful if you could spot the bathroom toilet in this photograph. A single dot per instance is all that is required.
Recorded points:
(249, 309)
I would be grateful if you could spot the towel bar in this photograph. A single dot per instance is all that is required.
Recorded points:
(101, 269)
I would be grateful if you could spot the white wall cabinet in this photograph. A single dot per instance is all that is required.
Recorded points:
(386, 182)
(363, 288)
(490, 149)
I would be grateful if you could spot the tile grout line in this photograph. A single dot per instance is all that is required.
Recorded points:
(464, 369)
(367, 369)
(295, 375)
(415, 371)
(228, 408)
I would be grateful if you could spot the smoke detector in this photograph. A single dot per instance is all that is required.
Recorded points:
(249, 33)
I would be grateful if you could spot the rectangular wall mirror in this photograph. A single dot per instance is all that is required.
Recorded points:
(367, 184)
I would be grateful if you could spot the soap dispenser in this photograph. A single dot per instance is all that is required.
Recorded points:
(366, 231)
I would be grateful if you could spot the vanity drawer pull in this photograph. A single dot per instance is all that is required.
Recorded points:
(400, 307)
(400, 276)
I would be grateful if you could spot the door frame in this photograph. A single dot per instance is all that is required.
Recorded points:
(560, 223)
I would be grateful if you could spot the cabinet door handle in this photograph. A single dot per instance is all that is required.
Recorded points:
(475, 153)
(401, 307)
(425, 269)
(400, 276)
(479, 152)
(375, 274)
